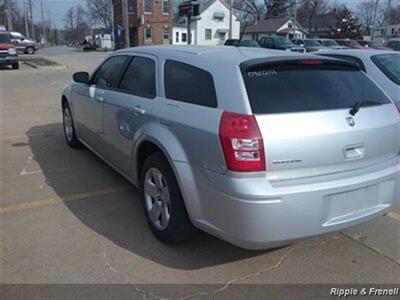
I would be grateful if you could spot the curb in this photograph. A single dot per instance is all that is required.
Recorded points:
(60, 67)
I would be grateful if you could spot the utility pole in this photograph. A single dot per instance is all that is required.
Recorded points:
(374, 20)
(230, 19)
(295, 19)
(26, 21)
(43, 25)
(49, 22)
(125, 22)
(31, 20)
(387, 20)
(9, 15)
(189, 27)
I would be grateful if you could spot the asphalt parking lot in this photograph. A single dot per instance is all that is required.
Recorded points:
(68, 218)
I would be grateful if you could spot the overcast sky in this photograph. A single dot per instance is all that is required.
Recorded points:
(58, 8)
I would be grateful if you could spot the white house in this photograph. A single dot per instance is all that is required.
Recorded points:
(211, 27)
(276, 26)
(392, 32)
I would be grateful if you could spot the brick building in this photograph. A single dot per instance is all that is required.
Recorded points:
(150, 22)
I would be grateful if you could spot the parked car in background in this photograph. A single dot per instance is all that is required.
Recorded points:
(234, 155)
(349, 43)
(382, 66)
(331, 44)
(309, 44)
(280, 43)
(23, 44)
(372, 45)
(242, 43)
(8, 53)
(394, 44)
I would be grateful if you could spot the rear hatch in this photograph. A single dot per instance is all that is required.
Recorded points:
(302, 107)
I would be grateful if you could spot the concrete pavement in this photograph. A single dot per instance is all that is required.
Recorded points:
(66, 217)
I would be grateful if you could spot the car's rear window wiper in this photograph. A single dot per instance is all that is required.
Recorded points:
(356, 107)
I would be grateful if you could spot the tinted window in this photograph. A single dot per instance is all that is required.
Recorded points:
(389, 64)
(139, 78)
(108, 74)
(187, 83)
(277, 89)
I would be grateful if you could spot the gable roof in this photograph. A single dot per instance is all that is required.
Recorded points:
(269, 25)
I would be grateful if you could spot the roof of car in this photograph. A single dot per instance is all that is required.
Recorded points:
(360, 53)
(217, 53)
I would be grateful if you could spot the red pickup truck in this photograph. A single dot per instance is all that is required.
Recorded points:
(8, 53)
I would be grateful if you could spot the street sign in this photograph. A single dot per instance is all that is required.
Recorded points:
(189, 8)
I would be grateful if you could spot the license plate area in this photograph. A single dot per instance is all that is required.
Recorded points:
(351, 205)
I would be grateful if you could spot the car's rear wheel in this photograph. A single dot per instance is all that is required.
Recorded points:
(15, 66)
(69, 128)
(30, 50)
(163, 203)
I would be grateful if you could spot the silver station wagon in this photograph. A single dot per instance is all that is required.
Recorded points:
(257, 147)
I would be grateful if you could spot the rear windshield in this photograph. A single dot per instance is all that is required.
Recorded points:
(4, 39)
(389, 64)
(296, 88)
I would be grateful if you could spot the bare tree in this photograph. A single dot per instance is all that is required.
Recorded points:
(100, 12)
(75, 25)
(309, 9)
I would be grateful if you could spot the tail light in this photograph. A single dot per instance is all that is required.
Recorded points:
(241, 142)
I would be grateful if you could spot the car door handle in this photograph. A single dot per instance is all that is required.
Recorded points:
(354, 152)
(138, 110)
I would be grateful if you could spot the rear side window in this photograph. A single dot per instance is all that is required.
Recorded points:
(108, 74)
(389, 64)
(302, 88)
(189, 84)
(139, 78)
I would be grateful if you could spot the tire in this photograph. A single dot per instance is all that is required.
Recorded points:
(30, 50)
(69, 129)
(15, 66)
(178, 227)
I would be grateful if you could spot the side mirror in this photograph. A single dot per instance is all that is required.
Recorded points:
(81, 77)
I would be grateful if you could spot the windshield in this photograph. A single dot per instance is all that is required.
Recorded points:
(277, 89)
(312, 43)
(283, 41)
(4, 39)
(249, 43)
(330, 43)
(389, 64)
(353, 43)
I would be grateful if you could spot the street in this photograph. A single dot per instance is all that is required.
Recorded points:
(68, 218)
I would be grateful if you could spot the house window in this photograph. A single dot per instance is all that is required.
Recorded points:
(148, 35)
(177, 37)
(148, 6)
(165, 7)
(165, 33)
(131, 6)
(184, 37)
(208, 34)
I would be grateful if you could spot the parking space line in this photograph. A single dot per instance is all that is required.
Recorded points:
(393, 215)
(56, 200)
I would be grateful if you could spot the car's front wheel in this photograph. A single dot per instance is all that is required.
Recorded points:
(30, 50)
(163, 203)
(69, 128)
(15, 66)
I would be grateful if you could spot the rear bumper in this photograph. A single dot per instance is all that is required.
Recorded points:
(252, 214)
(9, 60)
